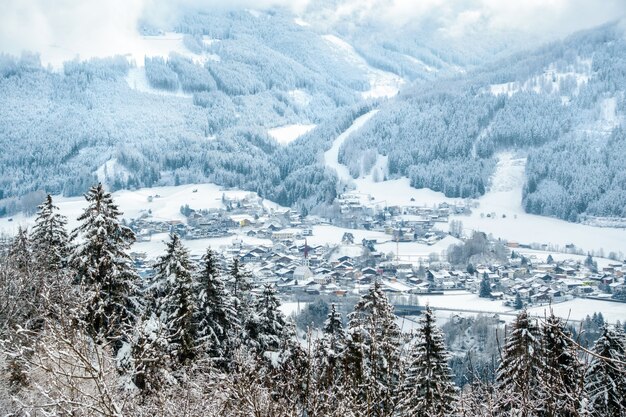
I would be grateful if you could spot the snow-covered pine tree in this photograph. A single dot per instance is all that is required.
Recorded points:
(20, 252)
(427, 388)
(239, 285)
(216, 318)
(269, 325)
(372, 354)
(485, 287)
(239, 280)
(175, 301)
(519, 374)
(562, 373)
(330, 348)
(605, 379)
(104, 266)
(148, 362)
(49, 237)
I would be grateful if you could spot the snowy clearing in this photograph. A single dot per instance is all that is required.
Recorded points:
(289, 133)
(382, 83)
(137, 80)
(162, 202)
(331, 157)
(505, 199)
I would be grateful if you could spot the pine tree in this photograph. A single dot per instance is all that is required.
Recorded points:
(269, 326)
(485, 287)
(216, 318)
(562, 372)
(427, 389)
(519, 373)
(175, 302)
(239, 279)
(20, 252)
(605, 379)
(372, 354)
(239, 286)
(104, 267)
(519, 304)
(50, 238)
(330, 347)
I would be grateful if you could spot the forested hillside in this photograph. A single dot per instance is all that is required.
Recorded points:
(204, 117)
(206, 110)
(562, 104)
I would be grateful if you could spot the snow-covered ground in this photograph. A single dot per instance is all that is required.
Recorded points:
(331, 157)
(578, 308)
(382, 83)
(549, 81)
(163, 203)
(156, 246)
(137, 80)
(415, 252)
(289, 133)
(110, 170)
(465, 303)
(328, 234)
(505, 199)
(292, 308)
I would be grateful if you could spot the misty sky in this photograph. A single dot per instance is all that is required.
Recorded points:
(96, 27)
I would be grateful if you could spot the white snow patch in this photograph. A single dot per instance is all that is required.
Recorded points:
(111, 170)
(289, 133)
(331, 157)
(300, 97)
(550, 81)
(162, 203)
(421, 63)
(298, 21)
(292, 308)
(505, 198)
(382, 83)
(137, 80)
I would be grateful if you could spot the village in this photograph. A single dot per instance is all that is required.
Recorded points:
(295, 253)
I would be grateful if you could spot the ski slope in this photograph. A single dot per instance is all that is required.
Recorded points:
(507, 219)
(331, 157)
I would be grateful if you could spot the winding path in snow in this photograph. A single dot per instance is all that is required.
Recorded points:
(331, 156)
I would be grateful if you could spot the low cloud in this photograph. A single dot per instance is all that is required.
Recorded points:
(62, 29)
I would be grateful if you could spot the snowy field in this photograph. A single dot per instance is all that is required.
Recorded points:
(468, 304)
(289, 133)
(162, 202)
(505, 198)
(156, 246)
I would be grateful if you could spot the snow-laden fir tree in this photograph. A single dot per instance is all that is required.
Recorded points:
(239, 284)
(605, 379)
(268, 327)
(49, 237)
(148, 362)
(427, 388)
(330, 348)
(20, 252)
(175, 301)
(485, 287)
(216, 318)
(562, 374)
(104, 266)
(520, 372)
(372, 354)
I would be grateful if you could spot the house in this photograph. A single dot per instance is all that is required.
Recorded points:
(302, 273)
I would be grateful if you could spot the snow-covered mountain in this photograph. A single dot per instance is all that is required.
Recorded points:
(256, 99)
